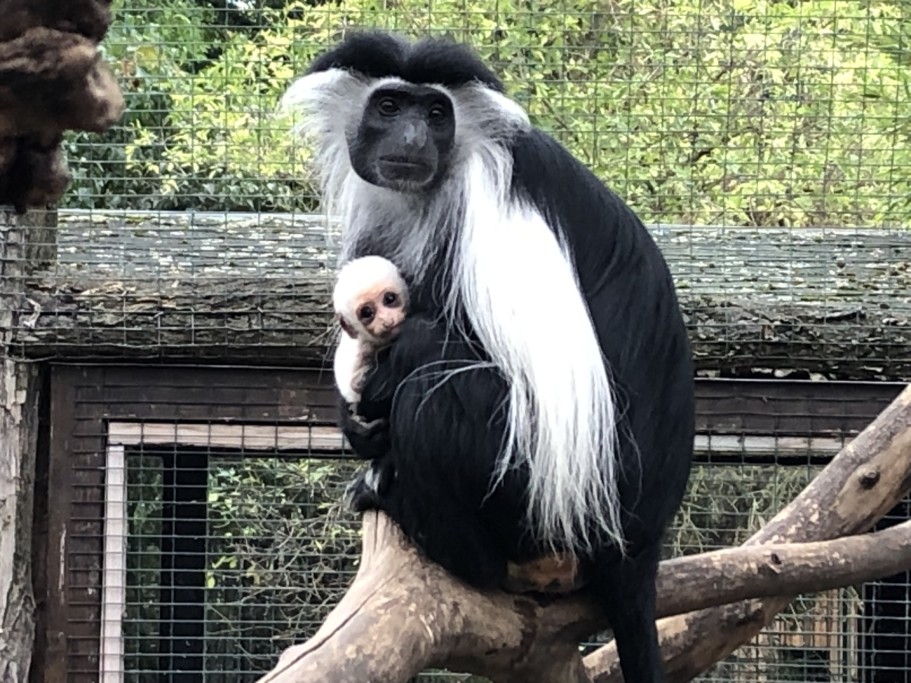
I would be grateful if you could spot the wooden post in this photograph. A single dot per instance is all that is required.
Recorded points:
(21, 238)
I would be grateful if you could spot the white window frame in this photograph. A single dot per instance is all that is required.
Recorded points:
(120, 436)
(302, 438)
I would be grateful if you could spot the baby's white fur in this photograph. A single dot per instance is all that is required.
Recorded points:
(348, 367)
(352, 356)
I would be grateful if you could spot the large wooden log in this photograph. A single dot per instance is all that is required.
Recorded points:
(795, 303)
(403, 614)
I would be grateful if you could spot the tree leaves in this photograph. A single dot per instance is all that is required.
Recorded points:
(768, 113)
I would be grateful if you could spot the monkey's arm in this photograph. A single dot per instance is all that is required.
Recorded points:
(368, 439)
(349, 365)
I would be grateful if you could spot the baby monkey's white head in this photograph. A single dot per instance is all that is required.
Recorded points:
(370, 299)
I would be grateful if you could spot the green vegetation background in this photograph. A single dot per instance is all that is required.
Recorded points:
(697, 111)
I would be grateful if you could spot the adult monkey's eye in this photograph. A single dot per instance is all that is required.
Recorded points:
(387, 106)
(438, 113)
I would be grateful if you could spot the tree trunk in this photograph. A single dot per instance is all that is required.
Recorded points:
(18, 439)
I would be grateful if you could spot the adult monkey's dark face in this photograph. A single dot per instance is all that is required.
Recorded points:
(405, 139)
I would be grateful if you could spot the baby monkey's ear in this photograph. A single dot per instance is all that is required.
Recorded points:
(346, 326)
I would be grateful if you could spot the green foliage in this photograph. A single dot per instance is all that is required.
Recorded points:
(725, 504)
(281, 548)
(281, 557)
(757, 113)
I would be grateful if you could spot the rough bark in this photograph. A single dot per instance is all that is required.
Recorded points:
(18, 440)
(725, 576)
(403, 614)
(256, 287)
(52, 80)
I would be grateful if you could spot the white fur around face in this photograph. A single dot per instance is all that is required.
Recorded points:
(362, 275)
(517, 284)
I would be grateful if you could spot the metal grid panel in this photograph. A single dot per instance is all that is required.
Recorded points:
(172, 490)
(204, 528)
(719, 112)
(219, 580)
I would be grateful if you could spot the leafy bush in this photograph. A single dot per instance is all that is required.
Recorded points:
(757, 113)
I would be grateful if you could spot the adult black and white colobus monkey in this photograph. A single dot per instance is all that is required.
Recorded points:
(539, 395)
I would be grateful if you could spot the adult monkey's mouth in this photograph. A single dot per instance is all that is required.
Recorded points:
(401, 168)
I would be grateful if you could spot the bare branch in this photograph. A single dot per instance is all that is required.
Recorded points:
(725, 576)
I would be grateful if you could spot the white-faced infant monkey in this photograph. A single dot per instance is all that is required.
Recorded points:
(370, 301)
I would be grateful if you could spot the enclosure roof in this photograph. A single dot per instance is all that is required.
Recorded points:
(256, 287)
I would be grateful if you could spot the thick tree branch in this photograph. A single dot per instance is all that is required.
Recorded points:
(725, 576)
(400, 603)
(403, 614)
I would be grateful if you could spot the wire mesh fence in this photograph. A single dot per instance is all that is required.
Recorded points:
(767, 144)
(711, 112)
(206, 527)
(219, 580)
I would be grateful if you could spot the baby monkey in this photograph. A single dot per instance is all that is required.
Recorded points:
(370, 300)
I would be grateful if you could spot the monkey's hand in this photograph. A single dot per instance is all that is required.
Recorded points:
(369, 488)
(369, 440)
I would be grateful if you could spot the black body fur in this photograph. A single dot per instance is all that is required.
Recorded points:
(439, 453)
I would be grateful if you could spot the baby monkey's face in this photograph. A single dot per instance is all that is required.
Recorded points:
(380, 312)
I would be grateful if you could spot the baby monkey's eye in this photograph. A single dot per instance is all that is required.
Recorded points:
(365, 313)
(390, 299)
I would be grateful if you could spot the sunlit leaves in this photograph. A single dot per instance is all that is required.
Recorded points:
(771, 112)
